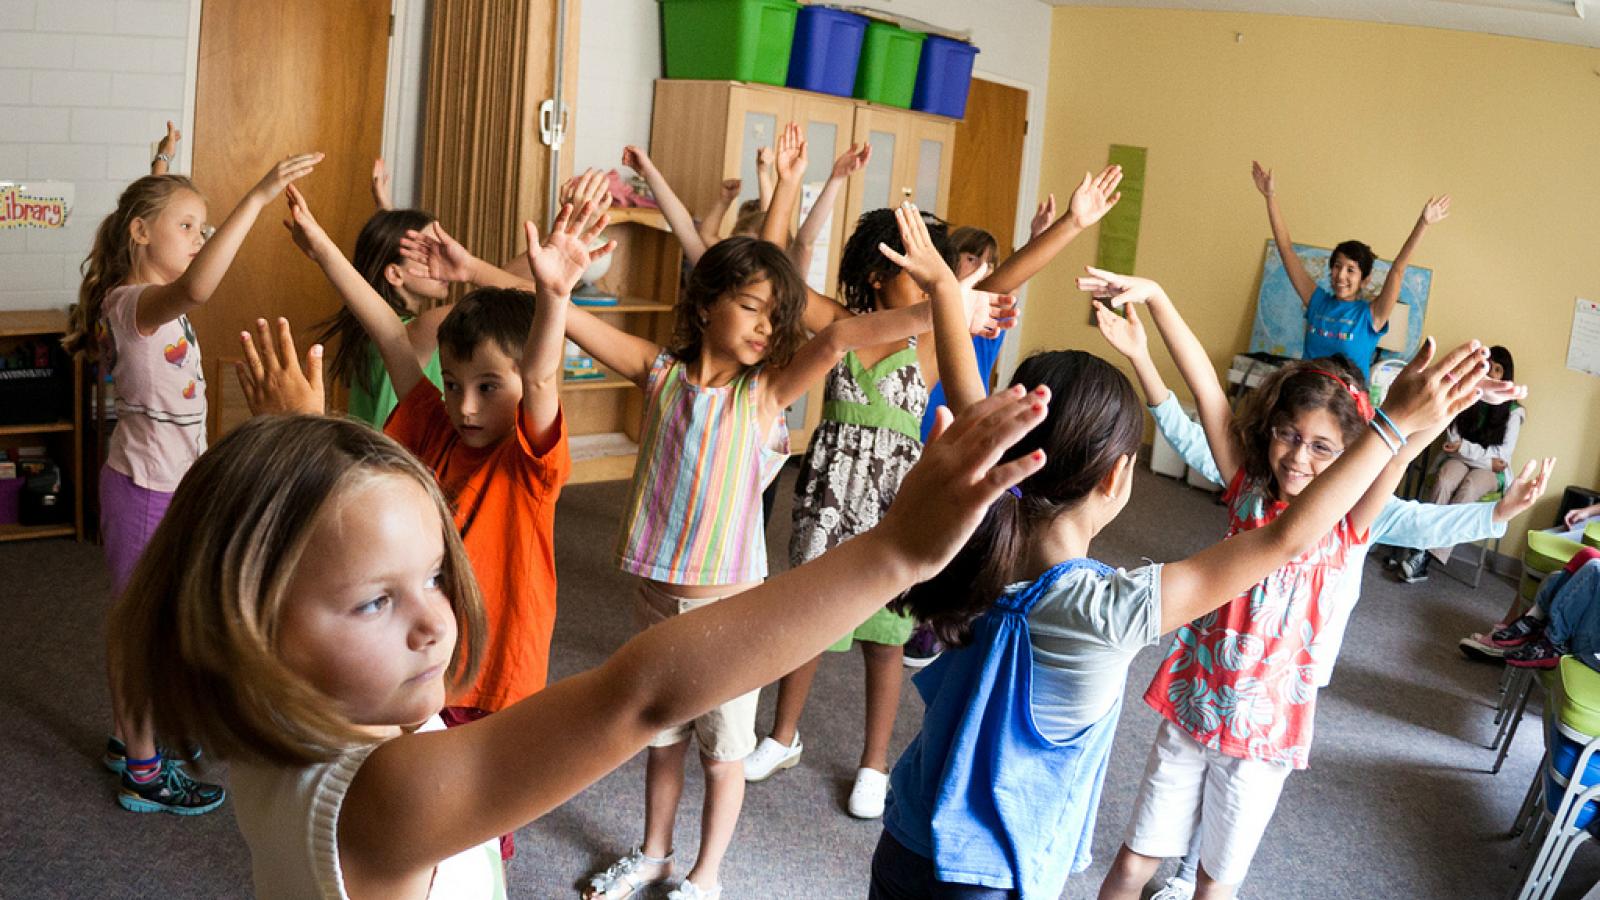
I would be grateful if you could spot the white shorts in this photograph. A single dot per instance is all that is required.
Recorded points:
(727, 732)
(1189, 786)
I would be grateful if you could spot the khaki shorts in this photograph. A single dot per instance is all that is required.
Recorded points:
(726, 733)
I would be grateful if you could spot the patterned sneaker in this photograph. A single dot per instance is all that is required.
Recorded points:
(1414, 568)
(627, 875)
(1176, 889)
(116, 756)
(1538, 653)
(171, 791)
(771, 757)
(1478, 647)
(1517, 633)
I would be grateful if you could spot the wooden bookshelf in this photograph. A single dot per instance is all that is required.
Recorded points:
(62, 438)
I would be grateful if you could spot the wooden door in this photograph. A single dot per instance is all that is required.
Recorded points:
(988, 160)
(276, 79)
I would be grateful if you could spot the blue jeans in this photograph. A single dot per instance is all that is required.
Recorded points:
(899, 873)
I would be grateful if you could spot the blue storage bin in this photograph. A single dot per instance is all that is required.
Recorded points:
(943, 77)
(827, 49)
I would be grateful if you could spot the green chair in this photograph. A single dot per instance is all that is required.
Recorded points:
(1591, 534)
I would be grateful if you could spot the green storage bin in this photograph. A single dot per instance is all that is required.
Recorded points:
(729, 40)
(888, 70)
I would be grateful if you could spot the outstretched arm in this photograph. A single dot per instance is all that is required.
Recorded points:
(510, 768)
(1432, 214)
(1296, 270)
(1193, 364)
(850, 162)
(161, 303)
(790, 160)
(556, 266)
(1090, 201)
(710, 229)
(385, 329)
(1125, 333)
(678, 218)
(1423, 399)
(166, 150)
(381, 198)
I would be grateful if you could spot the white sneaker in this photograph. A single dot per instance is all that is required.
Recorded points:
(770, 756)
(866, 798)
(688, 890)
(1176, 889)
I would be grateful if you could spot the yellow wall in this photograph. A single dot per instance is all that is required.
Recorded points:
(1361, 122)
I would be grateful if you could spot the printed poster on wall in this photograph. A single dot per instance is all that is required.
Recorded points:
(1583, 348)
(38, 204)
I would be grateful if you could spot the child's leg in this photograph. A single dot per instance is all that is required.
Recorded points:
(1240, 797)
(727, 734)
(129, 515)
(1473, 484)
(1165, 814)
(883, 664)
(663, 787)
(793, 689)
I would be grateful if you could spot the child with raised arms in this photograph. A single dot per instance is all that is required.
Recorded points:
(154, 261)
(339, 608)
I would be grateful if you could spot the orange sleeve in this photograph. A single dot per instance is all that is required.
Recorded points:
(420, 423)
(546, 471)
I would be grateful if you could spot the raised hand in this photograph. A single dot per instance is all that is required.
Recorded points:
(763, 159)
(561, 260)
(271, 378)
(166, 150)
(1094, 196)
(1125, 333)
(636, 159)
(284, 174)
(1429, 393)
(1117, 290)
(1436, 209)
(1497, 391)
(1523, 490)
(729, 190)
(434, 254)
(1263, 179)
(1042, 217)
(944, 496)
(921, 259)
(380, 185)
(852, 160)
(790, 154)
(303, 226)
(588, 186)
(988, 313)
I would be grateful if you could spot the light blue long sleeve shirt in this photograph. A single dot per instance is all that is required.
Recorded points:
(1401, 523)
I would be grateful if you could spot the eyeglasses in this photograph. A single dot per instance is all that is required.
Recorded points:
(1319, 450)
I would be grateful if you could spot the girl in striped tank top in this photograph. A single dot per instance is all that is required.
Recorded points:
(711, 440)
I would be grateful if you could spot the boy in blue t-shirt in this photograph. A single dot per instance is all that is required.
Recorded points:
(1338, 319)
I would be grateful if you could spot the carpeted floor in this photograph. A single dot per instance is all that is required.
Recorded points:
(1398, 802)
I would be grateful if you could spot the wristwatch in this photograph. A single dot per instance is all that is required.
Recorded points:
(162, 157)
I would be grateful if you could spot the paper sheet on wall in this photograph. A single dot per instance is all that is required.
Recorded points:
(817, 271)
(1583, 349)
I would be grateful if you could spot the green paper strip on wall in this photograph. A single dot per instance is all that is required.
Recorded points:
(1119, 230)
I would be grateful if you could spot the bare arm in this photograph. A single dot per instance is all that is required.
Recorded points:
(1427, 399)
(1296, 270)
(166, 150)
(508, 769)
(1383, 307)
(162, 303)
(790, 161)
(385, 329)
(853, 160)
(711, 224)
(1093, 198)
(764, 177)
(1216, 416)
(678, 217)
(1126, 334)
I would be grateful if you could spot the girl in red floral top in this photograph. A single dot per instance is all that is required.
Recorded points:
(1237, 690)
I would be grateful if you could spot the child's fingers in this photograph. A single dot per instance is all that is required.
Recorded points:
(286, 342)
(595, 228)
(603, 251)
(1008, 424)
(892, 255)
(252, 360)
(246, 385)
(530, 232)
(314, 368)
(977, 412)
(1007, 475)
(269, 354)
(942, 418)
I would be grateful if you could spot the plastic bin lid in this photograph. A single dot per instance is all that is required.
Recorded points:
(908, 23)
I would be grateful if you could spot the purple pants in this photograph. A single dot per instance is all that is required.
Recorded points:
(129, 515)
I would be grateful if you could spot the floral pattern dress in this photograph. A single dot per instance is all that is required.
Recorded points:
(869, 437)
(1242, 680)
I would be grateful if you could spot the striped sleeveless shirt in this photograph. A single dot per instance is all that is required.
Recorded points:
(693, 514)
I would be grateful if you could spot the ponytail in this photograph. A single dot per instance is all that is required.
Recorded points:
(111, 257)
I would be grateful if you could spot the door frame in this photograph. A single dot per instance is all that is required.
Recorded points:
(1027, 198)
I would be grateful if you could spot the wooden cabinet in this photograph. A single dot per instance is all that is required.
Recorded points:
(706, 131)
(59, 431)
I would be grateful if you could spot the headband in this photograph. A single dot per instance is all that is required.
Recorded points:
(1363, 402)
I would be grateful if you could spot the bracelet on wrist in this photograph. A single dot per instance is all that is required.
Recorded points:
(1394, 448)
(1399, 436)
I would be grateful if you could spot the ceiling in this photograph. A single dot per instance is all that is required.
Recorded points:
(1563, 21)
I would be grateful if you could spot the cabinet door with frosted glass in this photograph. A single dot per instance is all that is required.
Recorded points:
(755, 116)
(931, 142)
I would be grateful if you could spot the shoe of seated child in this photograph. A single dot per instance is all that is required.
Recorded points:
(1414, 568)
(1479, 647)
(1175, 889)
(1538, 653)
(1517, 633)
(627, 875)
(170, 791)
(771, 757)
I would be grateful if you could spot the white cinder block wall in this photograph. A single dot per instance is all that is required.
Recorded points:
(85, 87)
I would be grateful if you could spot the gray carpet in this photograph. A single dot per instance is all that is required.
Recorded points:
(1397, 802)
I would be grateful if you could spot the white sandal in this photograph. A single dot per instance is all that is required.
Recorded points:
(627, 875)
(688, 890)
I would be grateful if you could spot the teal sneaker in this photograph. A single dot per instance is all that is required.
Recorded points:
(172, 791)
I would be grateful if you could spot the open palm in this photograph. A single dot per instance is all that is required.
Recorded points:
(1125, 333)
(1095, 196)
(565, 255)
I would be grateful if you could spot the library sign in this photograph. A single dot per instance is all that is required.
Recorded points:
(41, 204)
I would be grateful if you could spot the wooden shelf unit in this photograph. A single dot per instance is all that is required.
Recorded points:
(64, 439)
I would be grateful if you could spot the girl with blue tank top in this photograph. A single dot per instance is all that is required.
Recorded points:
(997, 795)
